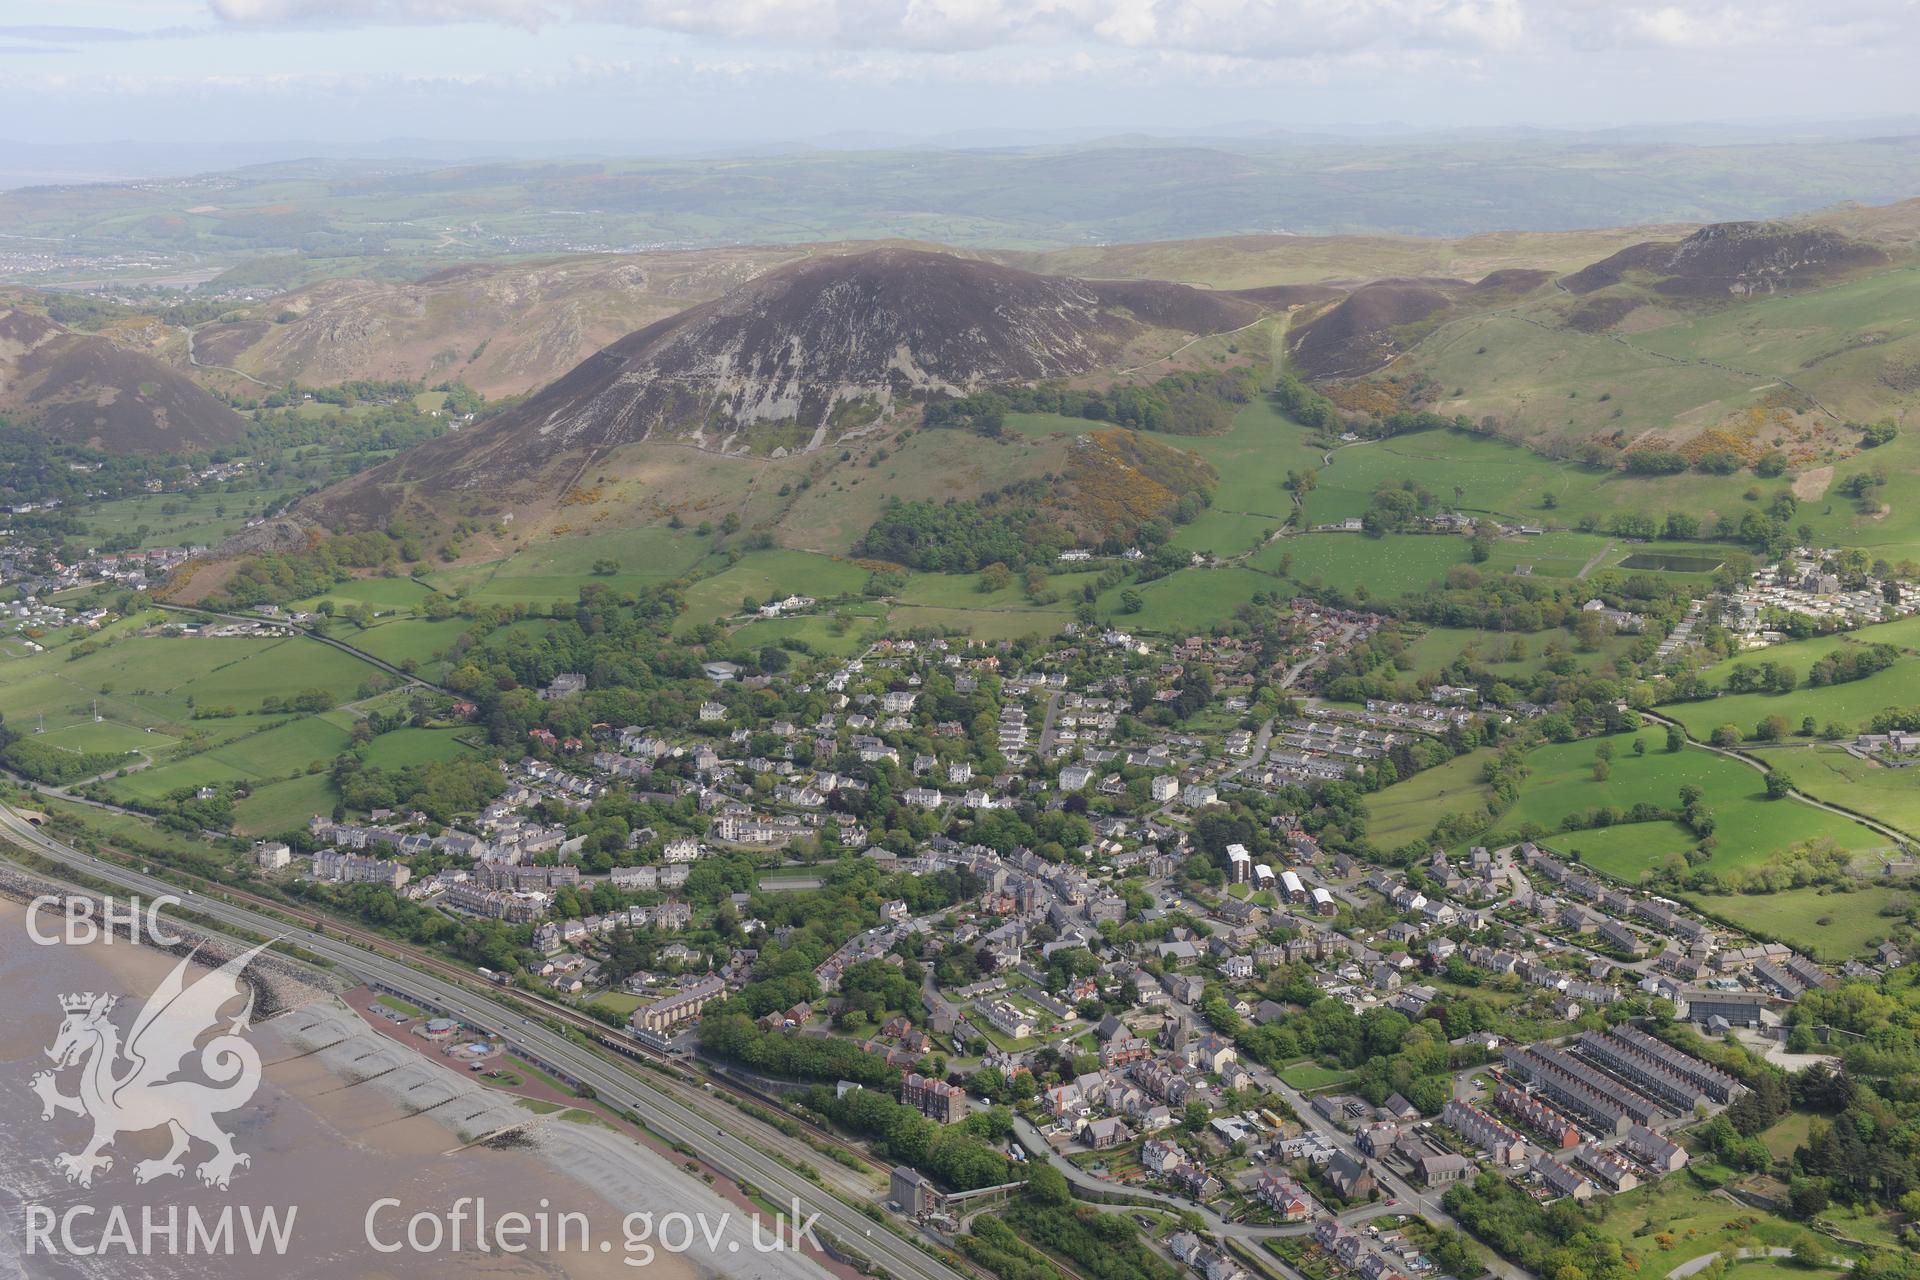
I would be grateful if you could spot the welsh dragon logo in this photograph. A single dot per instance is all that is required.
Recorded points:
(138, 1085)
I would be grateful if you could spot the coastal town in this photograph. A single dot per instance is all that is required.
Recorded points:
(1152, 977)
(1020, 639)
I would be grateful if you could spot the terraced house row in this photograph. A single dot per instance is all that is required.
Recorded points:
(1605, 1102)
(1547, 1124)
(1499, 1142)
(1648, 1073)
(1714, 1082)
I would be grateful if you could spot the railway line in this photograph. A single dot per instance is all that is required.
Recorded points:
(738, 1146)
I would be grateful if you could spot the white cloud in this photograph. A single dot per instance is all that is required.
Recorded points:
(1262, 29)
(1265, 28)
(265, 13)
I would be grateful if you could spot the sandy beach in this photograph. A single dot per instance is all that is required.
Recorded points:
(344, 1118)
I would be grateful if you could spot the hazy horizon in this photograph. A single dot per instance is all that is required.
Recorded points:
(27, 162)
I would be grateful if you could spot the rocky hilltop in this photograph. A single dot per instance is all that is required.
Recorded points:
(1731, 260)
(789, 362)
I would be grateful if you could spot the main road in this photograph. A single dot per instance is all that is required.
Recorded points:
(727, 1151)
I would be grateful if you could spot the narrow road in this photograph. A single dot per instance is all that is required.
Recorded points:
(146, 762)
(1202, 338)
(1694, 1266)
(1899, 837)
(1095, 1185)
(311, 634)
(1045, 747)
(194, 360)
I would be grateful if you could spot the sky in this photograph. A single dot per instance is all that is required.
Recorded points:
(641, 75)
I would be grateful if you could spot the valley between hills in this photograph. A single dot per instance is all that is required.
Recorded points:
(1352, 755)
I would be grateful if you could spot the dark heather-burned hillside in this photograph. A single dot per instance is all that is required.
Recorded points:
(1361, 332)
(1509, 282)
(1282, 296)
(87, 390)
(1730, 260)
(804, 354)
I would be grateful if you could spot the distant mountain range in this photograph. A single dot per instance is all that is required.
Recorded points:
(25, 162)
(424, 209)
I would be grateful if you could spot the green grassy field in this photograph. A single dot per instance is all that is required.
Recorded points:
(1849, 703)
(1891, 795)
(1786, 1134)
(954, 600)
(1750, 828)
(1379, 568)
(149, 785)
(142, 681)
(1308, 1076)
(1224, 533)
(272, 753)
(962, 591)
(382, 595)
(761, 574)
(1408, 810)
(405, 639)
(981, 624)
(1852, 704)
(555, 568)
(107, 736)
(1832, 340)
(1825, 923)
(1479, 474)
(1560, 553)
(1560, 382)
(1439, 647)
(282, 806)
(290, 747)
(959, 594)
(198, 518)
(1696, 1221)
(1471, 473)
(1190, 600)
(1682, 369)
(1253, 459)
(1778, 1269)
(402, 747)
(817, 630)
